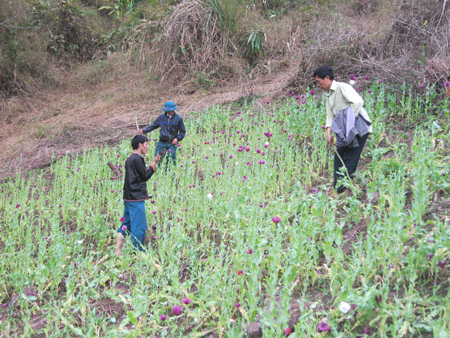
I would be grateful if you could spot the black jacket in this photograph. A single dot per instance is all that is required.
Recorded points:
(171, 127)
(136, 176)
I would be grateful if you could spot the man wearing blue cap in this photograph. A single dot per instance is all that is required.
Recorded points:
(172, 131)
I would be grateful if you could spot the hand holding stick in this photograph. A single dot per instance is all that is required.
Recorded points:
(156, 160)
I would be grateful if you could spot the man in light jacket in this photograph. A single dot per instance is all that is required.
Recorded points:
(340, 96)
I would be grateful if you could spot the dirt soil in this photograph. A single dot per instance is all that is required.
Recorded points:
(34, 130)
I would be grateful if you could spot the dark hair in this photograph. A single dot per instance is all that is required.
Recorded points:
(138, 139)
(323, 71)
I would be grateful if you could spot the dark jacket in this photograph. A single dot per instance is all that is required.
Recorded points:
(347, 126)
(171, 127)
(136, 176)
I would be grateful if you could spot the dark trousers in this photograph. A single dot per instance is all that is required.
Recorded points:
(164, 149)
(350, 156)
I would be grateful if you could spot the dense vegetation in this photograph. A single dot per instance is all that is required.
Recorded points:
(246, 216)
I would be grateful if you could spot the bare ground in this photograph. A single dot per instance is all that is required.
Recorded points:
(34, 129)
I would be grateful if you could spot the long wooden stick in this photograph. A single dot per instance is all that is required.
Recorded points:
(137, 125)
(342, 161)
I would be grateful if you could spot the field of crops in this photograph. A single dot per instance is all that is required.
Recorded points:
(245, 227)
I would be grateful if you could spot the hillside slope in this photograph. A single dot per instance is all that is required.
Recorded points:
(67, 119)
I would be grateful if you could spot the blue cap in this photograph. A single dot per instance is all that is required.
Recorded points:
(169, 106)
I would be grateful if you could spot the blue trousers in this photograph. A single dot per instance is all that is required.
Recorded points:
(136, 223)
(169, 149)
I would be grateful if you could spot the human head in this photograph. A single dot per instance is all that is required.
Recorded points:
(324, 77)
(169, 106)
(323, 71)
(138, 139)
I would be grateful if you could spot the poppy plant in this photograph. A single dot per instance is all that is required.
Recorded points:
(287, 332)
(323, 327)
(177, 310)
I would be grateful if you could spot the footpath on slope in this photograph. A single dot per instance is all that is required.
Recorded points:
(36, 129)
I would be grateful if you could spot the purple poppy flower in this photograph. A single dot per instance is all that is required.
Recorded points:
(177, 310)
(303, 101)
(17, 205)
(236, 305)
(276, 219)
(60, 205)
(323, 327)
(366, 330)
(292, 93)
(267, 102)
(369, 91)
(441, 264)
(124, 227)
(353, 77)
(312, 92)
(447, 84)
(154, 212)
(249, 252)
(314, 190)
(163, 317)
(186, 301)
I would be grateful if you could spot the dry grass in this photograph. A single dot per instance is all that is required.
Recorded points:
(192, 40)
(399, 41)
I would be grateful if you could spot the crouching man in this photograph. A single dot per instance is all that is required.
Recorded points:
(134, 220)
